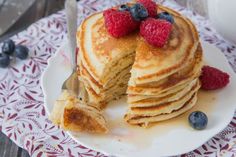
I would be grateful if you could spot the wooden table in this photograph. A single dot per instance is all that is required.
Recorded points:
(26, 12)
(10, 149)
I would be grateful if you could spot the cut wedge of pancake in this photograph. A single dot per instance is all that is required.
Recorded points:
(72, 115)
(84, 118)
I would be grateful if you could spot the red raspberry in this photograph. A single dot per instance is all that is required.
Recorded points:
(150, 6)
(155, 31)
(213, 78)
(119, 23)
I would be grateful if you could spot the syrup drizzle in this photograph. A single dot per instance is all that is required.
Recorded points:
(143, 138)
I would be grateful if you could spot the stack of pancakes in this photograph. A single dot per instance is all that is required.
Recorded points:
(162, 82)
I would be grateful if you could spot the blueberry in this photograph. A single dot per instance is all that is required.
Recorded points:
(138, 12)
(8, 47)
(166, 16)
(21, 52)
(124, 7)
(4, 60)
(198, 120)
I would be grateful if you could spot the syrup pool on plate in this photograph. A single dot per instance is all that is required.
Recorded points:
(141, 137)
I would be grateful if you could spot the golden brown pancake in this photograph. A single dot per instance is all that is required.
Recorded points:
(145, 121)
(153, 101)
(163, 107)
(153, 63)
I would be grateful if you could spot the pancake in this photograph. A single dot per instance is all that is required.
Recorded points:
(132, 98)
(163, 108)
(153, 101)
(145, 121)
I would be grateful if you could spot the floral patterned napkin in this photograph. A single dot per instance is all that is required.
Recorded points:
(22, 114)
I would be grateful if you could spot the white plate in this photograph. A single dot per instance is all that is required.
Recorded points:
(167, 138)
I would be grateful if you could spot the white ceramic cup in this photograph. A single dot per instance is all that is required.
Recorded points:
(222, 14)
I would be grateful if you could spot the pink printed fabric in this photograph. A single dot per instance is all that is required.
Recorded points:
(22, 114)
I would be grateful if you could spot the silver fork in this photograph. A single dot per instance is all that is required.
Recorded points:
(71, 84)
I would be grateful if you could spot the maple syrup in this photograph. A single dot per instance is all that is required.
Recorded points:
(143, 137)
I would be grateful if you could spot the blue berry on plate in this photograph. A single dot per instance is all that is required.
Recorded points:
(21, 52)
(4, 60)
(124, 7)
(8, 47)
(166, 16)
(198, 120)
(138, 12)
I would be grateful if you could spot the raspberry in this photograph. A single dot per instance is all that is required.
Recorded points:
(212, 78)
(119, 23)
(150, 6)
(155, 31)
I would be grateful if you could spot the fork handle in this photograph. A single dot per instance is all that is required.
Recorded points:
(71, 16)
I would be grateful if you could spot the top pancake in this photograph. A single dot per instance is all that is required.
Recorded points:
(153, 63)
(99, 51)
